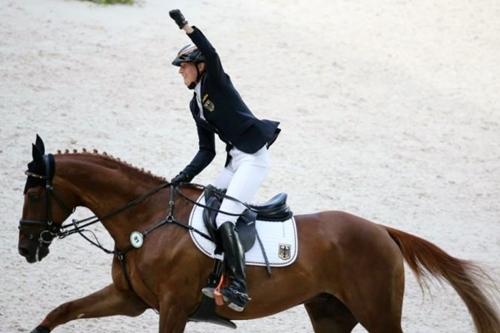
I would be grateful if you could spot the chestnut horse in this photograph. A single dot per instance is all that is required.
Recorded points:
(348, 271)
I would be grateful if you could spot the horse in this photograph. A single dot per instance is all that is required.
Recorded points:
(349, 270)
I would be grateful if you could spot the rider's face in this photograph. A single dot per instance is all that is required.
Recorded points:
(188, 72)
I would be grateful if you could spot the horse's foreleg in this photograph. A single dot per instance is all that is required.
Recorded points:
(106, 302)
(172, 317)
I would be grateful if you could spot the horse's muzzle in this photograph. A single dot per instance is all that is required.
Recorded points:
(26, 253)
(33, 252)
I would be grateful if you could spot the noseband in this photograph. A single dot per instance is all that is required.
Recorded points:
(50, 230)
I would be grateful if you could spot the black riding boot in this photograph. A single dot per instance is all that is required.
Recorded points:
(235, 294)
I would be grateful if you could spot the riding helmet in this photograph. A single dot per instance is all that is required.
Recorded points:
(188, 53)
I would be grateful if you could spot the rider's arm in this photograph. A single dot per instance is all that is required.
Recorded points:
(214, 65)
(205, 154)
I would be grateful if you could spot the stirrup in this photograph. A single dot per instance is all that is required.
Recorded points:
(235, 300)
(215, 292)
(208, 291)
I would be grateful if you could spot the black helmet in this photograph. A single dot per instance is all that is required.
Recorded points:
(188, 53)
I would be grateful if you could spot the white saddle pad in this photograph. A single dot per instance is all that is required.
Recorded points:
(279, 240)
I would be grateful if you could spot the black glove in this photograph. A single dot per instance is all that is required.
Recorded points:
(182, 177)
(177, 16)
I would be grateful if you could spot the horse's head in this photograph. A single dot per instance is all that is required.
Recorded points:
(43, 210)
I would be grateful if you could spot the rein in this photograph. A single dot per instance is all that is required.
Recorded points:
(169, 219)
(94, 219)
(78, 226)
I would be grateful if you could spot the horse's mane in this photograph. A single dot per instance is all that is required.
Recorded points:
(107, 157)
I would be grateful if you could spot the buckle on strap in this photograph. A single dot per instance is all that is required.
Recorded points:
(34, 175)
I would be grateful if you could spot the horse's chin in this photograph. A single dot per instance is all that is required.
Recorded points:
(40, 253)
(31, 259)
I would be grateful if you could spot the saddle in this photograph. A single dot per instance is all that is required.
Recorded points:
(274, 210)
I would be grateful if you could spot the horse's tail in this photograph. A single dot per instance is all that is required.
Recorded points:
(426, 259)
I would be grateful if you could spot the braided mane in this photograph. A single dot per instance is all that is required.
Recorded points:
(109, 157)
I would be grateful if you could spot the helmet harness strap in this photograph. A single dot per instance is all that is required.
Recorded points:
(198, 77)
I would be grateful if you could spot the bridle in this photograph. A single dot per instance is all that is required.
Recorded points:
(50, 230)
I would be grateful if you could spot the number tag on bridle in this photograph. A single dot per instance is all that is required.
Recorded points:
(136, 239)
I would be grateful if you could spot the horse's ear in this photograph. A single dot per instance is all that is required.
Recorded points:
(37, 154)
(39, 144)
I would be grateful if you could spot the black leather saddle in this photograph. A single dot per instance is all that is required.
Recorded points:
(274, 210)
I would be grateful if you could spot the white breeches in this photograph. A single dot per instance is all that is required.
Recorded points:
(242, 178)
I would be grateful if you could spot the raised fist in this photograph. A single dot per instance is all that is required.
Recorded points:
(177, 16)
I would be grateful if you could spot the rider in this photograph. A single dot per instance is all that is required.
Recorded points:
(218, 108)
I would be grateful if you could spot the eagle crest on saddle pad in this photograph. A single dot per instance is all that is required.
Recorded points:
(275, 226)
(284, 251)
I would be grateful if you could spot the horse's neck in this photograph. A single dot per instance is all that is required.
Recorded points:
(103, 185)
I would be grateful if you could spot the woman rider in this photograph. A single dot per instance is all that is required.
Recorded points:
(218, 108)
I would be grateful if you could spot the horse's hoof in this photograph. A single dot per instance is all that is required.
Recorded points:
(41, 329)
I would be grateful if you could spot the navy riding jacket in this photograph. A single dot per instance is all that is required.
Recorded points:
(225, 112)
